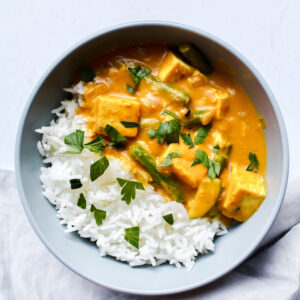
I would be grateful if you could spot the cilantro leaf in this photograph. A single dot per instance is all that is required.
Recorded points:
(130, 89)
(87, 74)
(216, 148)
(152, 133)
(214, 167)
(137, 74)
(128, 189)
(168, 131)
(132, 236)
(96, 145)
(130, 124)
(167, 112)
(81, 201)
(201, 158)
(169, 219)
(115, 136)
(202, 134)
(99, 214)
(75, 140)
(75, 184)
(98, 168)
(187, 140)
(168, 159)
(254, 163)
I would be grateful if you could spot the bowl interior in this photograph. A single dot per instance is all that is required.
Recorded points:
(81, 255)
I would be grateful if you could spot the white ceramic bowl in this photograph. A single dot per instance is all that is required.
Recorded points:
(82, 256)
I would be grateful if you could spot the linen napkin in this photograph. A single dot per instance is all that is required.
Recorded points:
(29, 271)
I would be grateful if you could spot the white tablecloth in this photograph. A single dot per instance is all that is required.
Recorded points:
(29, 271)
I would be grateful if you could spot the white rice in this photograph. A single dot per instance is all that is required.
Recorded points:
(159, 242)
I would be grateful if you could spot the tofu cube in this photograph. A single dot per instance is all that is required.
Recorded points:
(207, 195)
(220, 100)
(112, 110)
(173, 69)
(181, 166)
(245, 193)
(197, 79)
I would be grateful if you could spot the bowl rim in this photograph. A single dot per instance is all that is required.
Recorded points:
(236, 53)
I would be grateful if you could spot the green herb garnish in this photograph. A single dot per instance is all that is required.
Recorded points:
(87, 74)
(202, 134)
(75, 140)
(254, 164)
(132, 236)
(201, 158)
(128, 189)
(96, 145)
(152, 133)
(168, 159)
(81, 201)
(215, 148)
(130, 89)
(130, 124)
(168, 131)
(117, 139)
(187, 140)
(137, 74)
(75, 184)
(169, 219)
(214, 167)
(99, 214)
(167, 112)
(98, 168)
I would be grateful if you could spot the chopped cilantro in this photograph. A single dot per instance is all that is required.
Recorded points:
(254, 164)
(115, 136)
(132, 236)
(75, 140)
(130, 89)
(81, 201)
(128, 189)
(167, 112)
(168, 131)
(168, 159)
(96, 145)
(152, 133)
(98, 168)
(187, 140)
(169, 219)
(75, 184)
(137, 74)
(214, 167)
(201, 158)
(130, 124)
(99, 215)
(202, 134)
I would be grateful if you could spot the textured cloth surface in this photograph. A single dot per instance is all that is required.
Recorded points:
(29, 271)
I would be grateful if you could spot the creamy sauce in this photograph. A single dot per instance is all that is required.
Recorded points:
(240, 124)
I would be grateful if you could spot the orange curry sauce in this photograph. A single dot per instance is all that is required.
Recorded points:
(240, 125)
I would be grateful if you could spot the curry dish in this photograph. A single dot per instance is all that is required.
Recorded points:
(181, 124)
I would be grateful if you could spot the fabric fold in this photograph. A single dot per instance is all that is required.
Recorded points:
(29, 271)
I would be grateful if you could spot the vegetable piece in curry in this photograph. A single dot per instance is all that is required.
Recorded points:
(183, 125)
